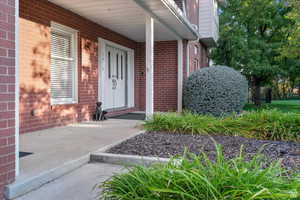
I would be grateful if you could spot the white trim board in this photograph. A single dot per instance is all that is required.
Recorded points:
(102, 43)
(149, 66)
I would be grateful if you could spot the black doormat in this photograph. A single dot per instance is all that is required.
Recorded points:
(24, 154)
(130, 116)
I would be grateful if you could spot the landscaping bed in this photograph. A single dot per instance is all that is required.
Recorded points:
(166, 145)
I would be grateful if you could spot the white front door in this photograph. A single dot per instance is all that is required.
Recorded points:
(115, 78)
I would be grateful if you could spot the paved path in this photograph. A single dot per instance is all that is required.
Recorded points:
(53, 147)
(78, 185)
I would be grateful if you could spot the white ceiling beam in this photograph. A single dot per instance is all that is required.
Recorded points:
(153, 15)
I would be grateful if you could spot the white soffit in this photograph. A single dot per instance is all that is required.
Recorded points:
(122, 16)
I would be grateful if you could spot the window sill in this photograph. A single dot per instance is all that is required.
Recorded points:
(63, 103)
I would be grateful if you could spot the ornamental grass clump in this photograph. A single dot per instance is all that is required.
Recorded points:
(196, 177)
(262, 124)
(216, 91)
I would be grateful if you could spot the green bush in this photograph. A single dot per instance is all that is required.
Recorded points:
(262, 124)
(198, 178)
(215, 90)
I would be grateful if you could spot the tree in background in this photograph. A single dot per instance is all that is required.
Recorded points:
(291, 49)
(252, 34)
(290, 52)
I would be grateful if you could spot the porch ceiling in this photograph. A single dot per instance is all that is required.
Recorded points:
(127, 17)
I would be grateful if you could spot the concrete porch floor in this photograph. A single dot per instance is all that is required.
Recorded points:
(52, 148)
(77, 185)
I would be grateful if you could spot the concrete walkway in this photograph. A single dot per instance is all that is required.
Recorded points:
(53, 147)
(78, 185)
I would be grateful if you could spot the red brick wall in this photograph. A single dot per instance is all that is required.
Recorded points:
(199, 56)
(7, 93)
(192, 12)
(191, 8)
(35, 18)
(204, 56)
(36, 113)
(165, 76)
(140, 77)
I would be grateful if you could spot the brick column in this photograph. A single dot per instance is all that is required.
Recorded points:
(7, 93)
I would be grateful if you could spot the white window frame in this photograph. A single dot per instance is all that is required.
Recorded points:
(59, 28)
(196, 49)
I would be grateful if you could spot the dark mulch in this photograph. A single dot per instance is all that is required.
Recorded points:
(166, 145)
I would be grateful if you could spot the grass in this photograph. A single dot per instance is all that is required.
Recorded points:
(282, 105)
(262, 124)
(196, 177)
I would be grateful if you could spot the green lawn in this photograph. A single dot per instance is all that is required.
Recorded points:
(282, 105)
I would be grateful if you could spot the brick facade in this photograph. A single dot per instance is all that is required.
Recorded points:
(36, 111)
(165, 76)
(198, 51)
(7, 93)
(198, 56)
(191, 9)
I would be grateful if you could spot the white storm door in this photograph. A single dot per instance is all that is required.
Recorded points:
(120, 79)
(115, 78)
(108, 102)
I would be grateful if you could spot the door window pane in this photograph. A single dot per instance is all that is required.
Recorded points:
(109, 65)
(122, 67)
(117, 66)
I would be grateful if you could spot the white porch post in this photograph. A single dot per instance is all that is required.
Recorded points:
(188, 59)
(149, 66)
(180, 75)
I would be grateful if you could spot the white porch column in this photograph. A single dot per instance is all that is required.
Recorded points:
(149, 66)
(188, 59)
(180, 75)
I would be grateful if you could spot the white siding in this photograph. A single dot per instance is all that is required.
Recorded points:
(209, 21)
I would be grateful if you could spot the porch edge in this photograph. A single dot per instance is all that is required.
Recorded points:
(127, 160)
(18, 189)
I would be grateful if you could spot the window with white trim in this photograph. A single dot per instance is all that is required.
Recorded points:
(63, 64)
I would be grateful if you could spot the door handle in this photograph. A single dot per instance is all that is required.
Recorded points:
(114, 82)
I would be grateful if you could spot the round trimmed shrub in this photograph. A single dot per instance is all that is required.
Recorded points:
(217, 90)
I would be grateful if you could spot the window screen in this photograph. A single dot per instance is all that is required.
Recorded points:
(63, 67)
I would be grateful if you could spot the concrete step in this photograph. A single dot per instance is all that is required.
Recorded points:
(19, 188)
(77, 185)
(126, 160)
(22, 187)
